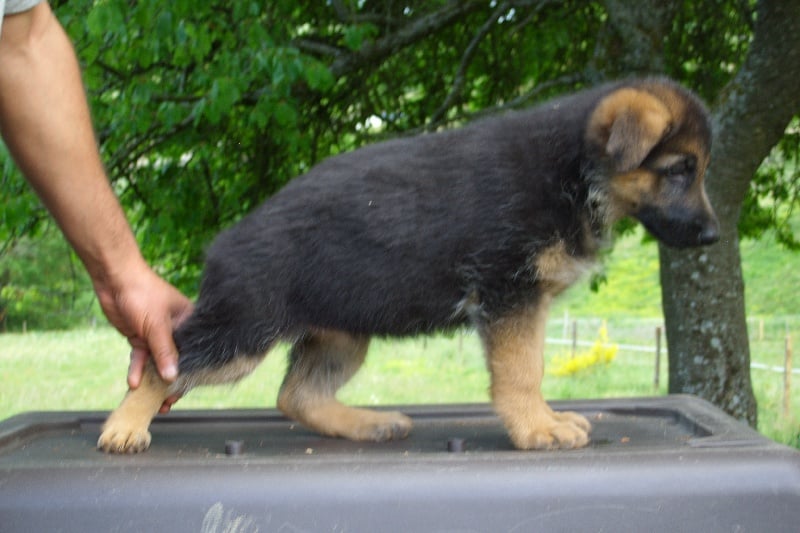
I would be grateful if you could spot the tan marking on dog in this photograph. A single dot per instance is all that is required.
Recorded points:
(628, 123)
(627, 191)
(328, 416)
(515, 347)
(666, 160)
(232, 372)
(326, 360)
(556, 269)
(126, 430)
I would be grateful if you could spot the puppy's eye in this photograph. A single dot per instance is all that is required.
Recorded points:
(684, 167)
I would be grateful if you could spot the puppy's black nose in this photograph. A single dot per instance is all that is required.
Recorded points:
(709, 233)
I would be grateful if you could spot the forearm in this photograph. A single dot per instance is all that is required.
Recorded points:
(46, 124)
(45, 121)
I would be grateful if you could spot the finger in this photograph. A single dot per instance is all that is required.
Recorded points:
(182, 311)
(139, 357)
(168, 403)
(164, 353)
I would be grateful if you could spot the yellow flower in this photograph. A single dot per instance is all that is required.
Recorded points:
(601, 352)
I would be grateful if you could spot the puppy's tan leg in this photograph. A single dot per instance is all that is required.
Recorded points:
(320, 363)
(126, 430)
(515, 347)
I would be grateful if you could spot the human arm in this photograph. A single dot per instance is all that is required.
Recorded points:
(45, 121)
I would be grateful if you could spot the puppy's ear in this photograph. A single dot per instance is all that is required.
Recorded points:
(627, 124)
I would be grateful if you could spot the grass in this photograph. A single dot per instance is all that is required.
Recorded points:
(85, 370)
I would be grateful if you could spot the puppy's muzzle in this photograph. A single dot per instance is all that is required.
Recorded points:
(710, 233)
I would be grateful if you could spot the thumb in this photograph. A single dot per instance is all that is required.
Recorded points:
(164, 352)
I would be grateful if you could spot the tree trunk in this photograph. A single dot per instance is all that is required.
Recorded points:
(703, 289)
(635, 35)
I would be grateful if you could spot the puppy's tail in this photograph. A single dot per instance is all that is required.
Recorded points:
(211, 340)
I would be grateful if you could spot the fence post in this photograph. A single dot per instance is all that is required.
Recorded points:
(787, 376)
(574, 338)
(657, 376)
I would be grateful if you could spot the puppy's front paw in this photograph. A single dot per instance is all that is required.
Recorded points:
(551, 431)
(121, 437)
(573, 418)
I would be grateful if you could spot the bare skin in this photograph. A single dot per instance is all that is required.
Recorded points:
(45, 121)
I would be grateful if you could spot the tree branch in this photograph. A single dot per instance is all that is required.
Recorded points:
(567, 81)
(377, 51)
(466, 59)
(756, 106)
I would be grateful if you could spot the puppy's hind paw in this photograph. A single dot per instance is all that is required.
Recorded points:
(120, 439)
(383, 426)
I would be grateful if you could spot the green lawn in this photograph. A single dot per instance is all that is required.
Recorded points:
(85, 369)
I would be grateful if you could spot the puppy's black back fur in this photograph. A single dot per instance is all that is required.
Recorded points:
(401, 237)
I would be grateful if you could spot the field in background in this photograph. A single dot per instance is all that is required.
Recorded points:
(85, 369)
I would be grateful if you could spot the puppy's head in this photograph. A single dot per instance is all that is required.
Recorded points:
(652, 139)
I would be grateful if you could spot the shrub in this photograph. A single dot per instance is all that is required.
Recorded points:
(601, 352)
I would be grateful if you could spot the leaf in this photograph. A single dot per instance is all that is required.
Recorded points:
(355, 36)
(104, 18)
(318, 76)
(285, 114)
(221, 98)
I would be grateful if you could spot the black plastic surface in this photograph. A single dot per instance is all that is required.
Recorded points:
(661, 464)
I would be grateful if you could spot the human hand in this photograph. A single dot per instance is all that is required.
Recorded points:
(146, 309)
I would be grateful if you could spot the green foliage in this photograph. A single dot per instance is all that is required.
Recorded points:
(774, 196)
(203, 109)
(20, 210)
(355, 36)
(197, 111)
(43, 286)
(708, 42)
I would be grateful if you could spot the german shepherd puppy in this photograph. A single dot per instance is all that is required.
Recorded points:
(479, 225)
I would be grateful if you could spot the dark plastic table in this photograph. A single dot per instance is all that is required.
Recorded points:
(654, 464)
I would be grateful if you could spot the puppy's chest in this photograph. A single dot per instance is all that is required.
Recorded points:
(555, 269)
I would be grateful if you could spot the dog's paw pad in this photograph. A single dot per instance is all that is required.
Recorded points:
(123, 440)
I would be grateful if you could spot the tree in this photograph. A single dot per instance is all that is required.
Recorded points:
(703, 291)
(706, 335)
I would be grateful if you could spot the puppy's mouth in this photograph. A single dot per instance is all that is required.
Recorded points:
(679, 227)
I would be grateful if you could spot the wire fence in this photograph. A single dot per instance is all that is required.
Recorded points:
(771, 346)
